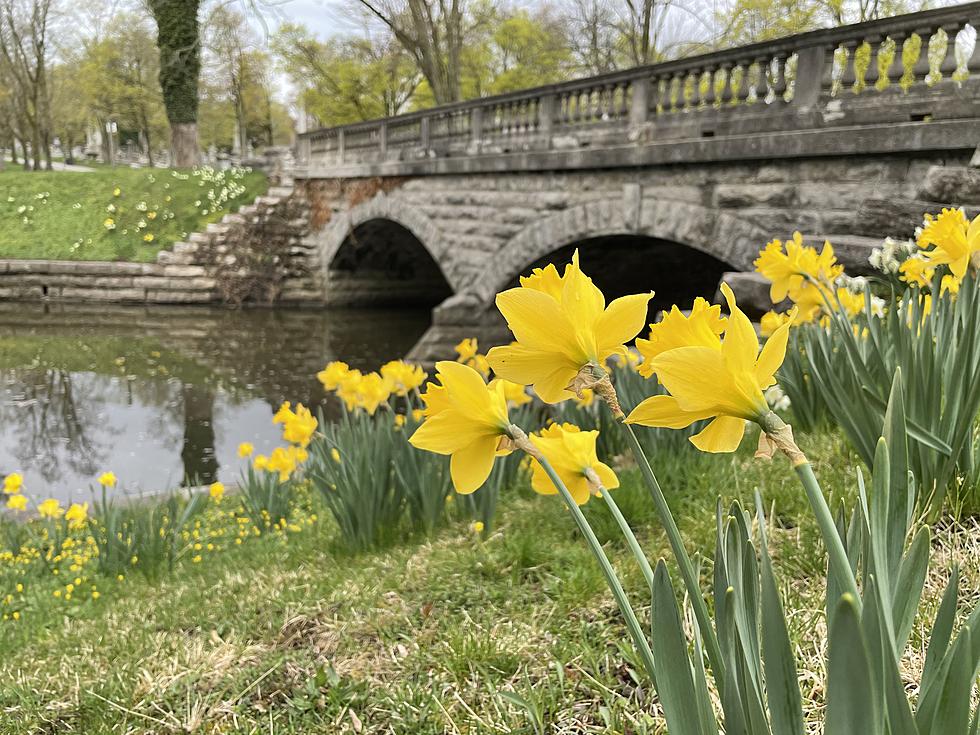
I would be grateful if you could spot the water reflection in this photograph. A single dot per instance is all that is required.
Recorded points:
(159, 395)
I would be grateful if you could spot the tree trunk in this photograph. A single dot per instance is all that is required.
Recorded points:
(183, 143)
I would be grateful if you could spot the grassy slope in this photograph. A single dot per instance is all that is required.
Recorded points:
(68, 223)
(421, 636)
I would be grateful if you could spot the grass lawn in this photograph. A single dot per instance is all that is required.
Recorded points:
(451, 634)
(64, 215)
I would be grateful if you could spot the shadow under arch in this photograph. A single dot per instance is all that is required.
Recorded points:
(623, 264)
(381, 262)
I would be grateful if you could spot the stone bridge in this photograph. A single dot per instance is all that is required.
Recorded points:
(666, 176)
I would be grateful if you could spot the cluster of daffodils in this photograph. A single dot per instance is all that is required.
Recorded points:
(565, 333)
(224, 186)
(948, 240)
(813, 281)
(54, 555)
(298, 427)
(26, 210)
(947, 245)
(368, 392)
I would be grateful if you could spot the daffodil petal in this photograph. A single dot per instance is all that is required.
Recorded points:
(518, 364)
(741, 345)
(470, 467)
(772, 355)
(620, 322)
(663, 411)
(698, 378)
(540, 482)
(606, 476)
(578, 488)
(448, 432)
(722, 435)
(552, 388)
(537, 320)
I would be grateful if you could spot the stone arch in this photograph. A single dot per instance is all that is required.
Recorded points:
(715, 232)
(384, 207)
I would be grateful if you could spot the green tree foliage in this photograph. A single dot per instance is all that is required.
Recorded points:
(347, 79)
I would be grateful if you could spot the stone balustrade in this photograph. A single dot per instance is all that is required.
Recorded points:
(915, 68)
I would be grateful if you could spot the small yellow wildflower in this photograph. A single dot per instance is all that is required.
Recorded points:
(116, 192)
(148, 237)
(217, 491)
(109, 223)
(477, 527)
(107, 479)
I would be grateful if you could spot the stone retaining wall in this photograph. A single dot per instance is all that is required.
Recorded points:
(64, 280)
(257, 254)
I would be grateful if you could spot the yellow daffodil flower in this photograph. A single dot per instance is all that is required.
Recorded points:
(17, 502)
(373, 390)
(852, 303)
(402, 377)
(771, 321)
(954, 240)
(297, 426)
(333, 374)
(245, 449)
(107, 479)
(725, 385)
(571, 452)
(76, 515)
(216, 491)
(349, 388)
(515, 393)
(800, 273)
(703, 326)
(916, 271)
(466, 419)
(467, 350)
(557, 335)
(12, 483)
(50, 508)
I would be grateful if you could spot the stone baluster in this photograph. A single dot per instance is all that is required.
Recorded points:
(424, 133)
(340, 145)
(811, 63)
(546, 115)
(639, 100)
(383, 138)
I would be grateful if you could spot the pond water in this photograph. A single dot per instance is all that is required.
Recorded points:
(159, 394)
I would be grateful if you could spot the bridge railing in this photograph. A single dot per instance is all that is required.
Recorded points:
(912, 67)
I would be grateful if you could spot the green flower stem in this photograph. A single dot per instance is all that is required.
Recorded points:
(684, 563)
(615, 586)
(780, 436)
(840, 566)
(634, 545)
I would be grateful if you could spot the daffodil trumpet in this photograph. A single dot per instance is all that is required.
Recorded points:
(519, 440)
